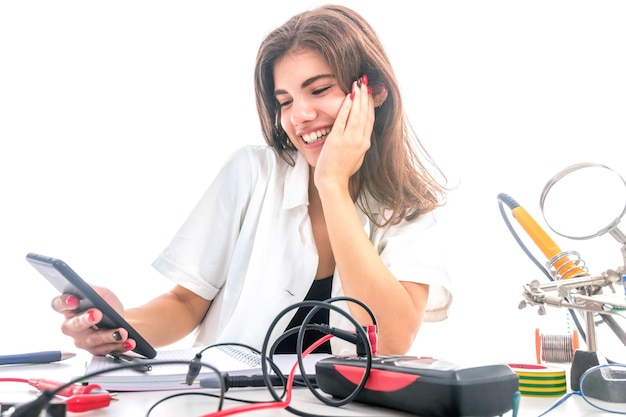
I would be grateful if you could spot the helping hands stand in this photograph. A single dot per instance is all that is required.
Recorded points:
(573, 288)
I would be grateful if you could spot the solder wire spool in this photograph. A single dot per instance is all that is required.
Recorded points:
(556, 348)
(540, 380)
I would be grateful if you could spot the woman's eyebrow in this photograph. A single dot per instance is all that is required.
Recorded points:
(306, 82)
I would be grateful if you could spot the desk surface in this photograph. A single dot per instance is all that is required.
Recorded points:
(137, 404)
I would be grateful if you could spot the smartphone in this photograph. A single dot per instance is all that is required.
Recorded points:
(64, 279)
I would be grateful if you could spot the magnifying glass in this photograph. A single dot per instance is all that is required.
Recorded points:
(584, 201)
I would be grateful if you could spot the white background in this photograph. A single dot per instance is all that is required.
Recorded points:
(115, 116)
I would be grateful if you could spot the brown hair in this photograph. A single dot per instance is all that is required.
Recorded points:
(392, 172)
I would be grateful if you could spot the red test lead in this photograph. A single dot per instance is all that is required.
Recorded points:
(87, 402)
(77, 397)
(76, 389)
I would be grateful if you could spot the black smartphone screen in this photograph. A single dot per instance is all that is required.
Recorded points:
(66, 281)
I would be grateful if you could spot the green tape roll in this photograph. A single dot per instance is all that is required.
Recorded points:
(540, 380)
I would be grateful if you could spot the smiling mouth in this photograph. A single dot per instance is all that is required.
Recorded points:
(316, 136)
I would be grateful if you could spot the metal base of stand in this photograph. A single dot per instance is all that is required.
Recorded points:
(583, 360)
(606, 385)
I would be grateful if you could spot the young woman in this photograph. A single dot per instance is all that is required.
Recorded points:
(337, 203)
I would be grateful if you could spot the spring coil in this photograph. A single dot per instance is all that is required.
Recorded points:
(567, 264)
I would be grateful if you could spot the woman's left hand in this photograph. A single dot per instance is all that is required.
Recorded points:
(349, 140)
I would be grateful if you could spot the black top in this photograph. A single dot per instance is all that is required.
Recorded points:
(320, 290)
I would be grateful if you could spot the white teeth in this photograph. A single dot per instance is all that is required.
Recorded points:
(315, 136)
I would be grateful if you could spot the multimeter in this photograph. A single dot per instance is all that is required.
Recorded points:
(423, 386)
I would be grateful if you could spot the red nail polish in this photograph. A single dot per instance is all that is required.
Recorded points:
(369, 90)
(71, 301)
(352, 95)
(128, 345)
(91, 315)
(364, 78)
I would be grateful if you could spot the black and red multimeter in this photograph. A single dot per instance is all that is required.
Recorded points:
(423, 386)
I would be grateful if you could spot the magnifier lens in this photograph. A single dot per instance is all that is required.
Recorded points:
(584, 201)
(604, 387)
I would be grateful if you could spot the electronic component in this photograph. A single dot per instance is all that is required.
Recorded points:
(422, 386)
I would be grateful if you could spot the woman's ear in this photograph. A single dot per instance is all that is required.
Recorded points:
(379, 94)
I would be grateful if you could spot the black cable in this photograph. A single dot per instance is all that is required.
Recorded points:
(31, 408)
(35, 407)
(178, 394)
(301, 330)
(364, 339)
(359, 335)
(194, 371)
(618, 331)
(204, 394)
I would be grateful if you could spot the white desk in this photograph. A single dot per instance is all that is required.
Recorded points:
(136, 404)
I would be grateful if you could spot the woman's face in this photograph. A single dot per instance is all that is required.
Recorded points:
(309, 98)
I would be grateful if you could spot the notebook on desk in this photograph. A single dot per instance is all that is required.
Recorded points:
(232, 359)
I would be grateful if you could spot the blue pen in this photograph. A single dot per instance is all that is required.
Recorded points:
(35, 357)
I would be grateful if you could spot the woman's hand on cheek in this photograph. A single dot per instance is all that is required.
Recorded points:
(345, 147)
